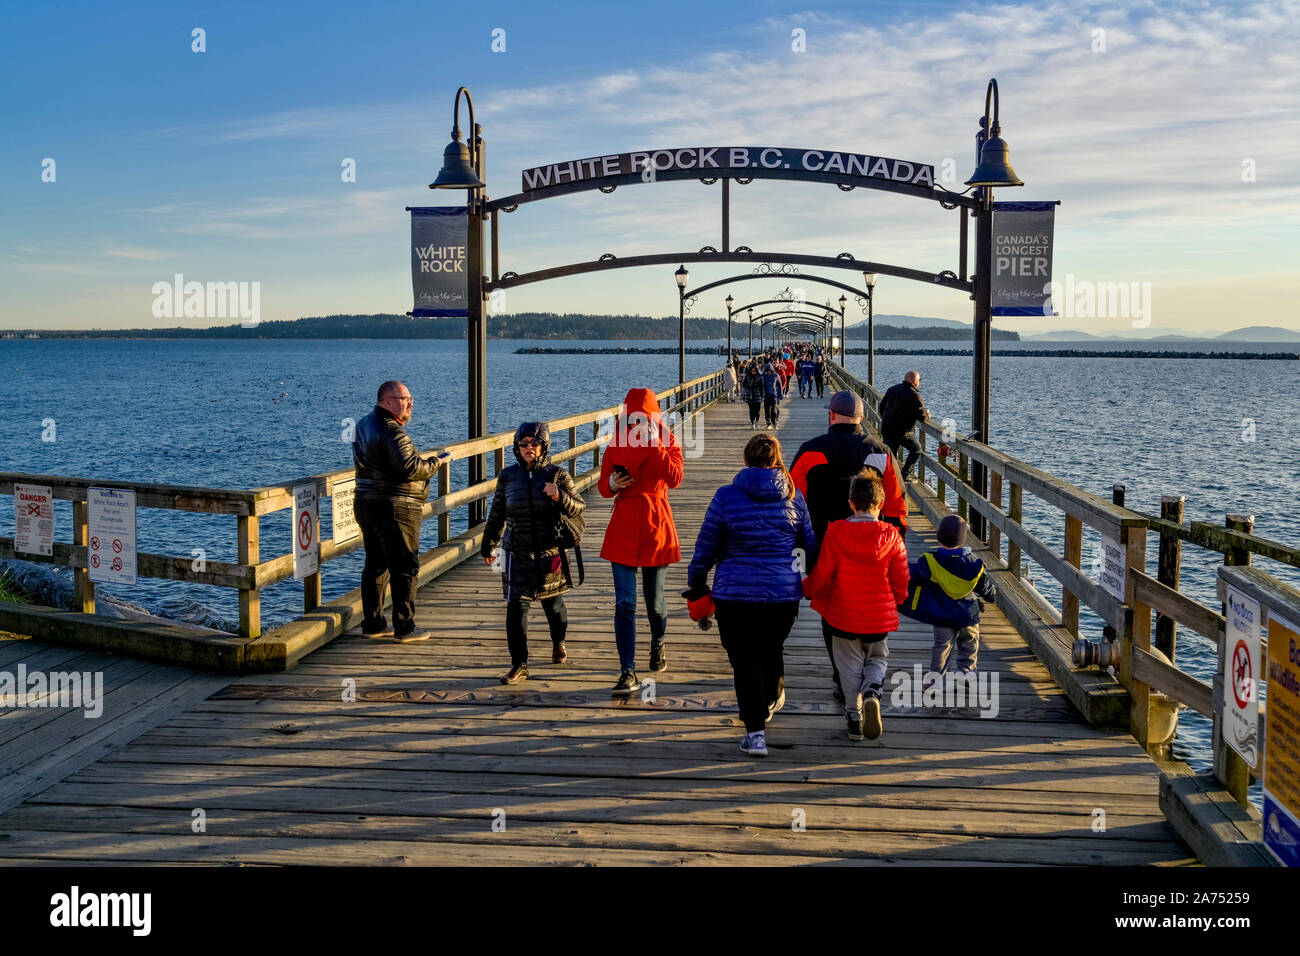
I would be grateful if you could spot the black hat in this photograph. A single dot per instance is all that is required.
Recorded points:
(952, 532)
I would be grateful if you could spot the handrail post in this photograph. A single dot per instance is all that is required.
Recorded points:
(83, 589)
(1169, 570)
(573, 443)
(444, 488)
(250, 600)
(943, 472)
(1014, 499)
(1229, 768)
(1139, 692)
(1135, 630)
(963, 472)
(920, 462)
(1074, 556)
(995, 497)
(595, 452)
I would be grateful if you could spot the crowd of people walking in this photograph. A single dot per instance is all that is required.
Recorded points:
(829, 528)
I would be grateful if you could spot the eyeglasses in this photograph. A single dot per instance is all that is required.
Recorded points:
(402, 398)
(529, 443)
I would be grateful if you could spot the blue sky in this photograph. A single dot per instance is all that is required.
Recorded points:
(225, 165)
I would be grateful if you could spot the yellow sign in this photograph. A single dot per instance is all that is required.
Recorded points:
(1282, 741)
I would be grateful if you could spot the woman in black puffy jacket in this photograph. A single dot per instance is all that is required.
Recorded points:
(751, 389)
(530, 498)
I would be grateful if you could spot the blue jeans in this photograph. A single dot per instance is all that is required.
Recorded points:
(656, 609)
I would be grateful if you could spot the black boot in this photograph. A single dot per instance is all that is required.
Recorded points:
(658, 660)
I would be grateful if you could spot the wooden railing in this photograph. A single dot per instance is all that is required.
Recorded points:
(1155, 684)
(252, 571)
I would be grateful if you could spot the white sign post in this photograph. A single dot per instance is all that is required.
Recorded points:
(34, 519)
(1114, 568)
(345, 517)
(111, 551)
(1240, 682)
(306, 548)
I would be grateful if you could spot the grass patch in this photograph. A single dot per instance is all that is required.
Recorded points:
(11, 590)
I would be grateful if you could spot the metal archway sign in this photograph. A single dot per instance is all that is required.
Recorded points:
(464, 168)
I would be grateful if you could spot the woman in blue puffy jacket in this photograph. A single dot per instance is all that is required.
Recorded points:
(759, 534)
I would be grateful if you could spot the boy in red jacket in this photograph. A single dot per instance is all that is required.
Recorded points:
(860, 578)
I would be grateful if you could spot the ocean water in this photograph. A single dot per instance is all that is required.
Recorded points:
(1224, 433)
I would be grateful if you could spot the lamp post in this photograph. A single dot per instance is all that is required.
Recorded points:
(843, 301)
(870, 279)
(994, 169)
(730, 303)
(751, 333)
(681, 275)
(462, 168)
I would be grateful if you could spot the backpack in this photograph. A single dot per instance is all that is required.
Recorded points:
(569, 530)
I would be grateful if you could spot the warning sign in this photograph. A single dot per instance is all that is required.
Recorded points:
(34, 519)
(345, 518)
(306, 547)
(1282, 742)
(111, 517)
(1240, 662)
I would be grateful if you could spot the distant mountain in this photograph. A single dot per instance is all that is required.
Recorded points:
(953, 332)
(1261, 333)
(1063, 336)
(919, 321)
(527, 325)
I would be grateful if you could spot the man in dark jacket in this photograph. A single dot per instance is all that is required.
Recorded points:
(825, 466)
(392, 485)
(900, 409)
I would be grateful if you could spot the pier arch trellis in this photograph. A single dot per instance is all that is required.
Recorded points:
(767, 318)
(463, 167)
(789, 300)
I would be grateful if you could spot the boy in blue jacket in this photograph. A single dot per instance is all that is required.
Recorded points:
(946, 585)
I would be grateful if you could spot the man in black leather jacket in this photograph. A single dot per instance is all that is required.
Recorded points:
(392, 485)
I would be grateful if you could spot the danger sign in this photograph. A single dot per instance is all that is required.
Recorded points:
(34, 519)
(306, 546)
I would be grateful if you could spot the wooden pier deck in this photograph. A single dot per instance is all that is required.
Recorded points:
(434, 751)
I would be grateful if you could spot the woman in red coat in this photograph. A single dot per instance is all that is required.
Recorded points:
(641, 463)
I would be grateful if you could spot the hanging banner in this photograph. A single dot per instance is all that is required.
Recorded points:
(111, 554)
(439, 241)
(1240, 663)
(1282, 742)
(1022, 258)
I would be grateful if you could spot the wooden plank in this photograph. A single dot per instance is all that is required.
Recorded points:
(664, 808)
(1173, 682)
(773, 837)
(1177, 606)
(122, 722)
